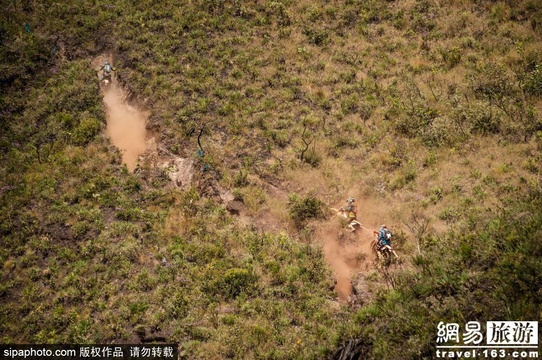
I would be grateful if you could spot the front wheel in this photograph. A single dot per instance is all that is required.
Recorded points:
(374, 247)
(384, 253)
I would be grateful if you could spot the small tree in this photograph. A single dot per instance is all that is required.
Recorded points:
(304, 208)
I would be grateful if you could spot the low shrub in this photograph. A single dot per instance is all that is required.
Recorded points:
(304, 208)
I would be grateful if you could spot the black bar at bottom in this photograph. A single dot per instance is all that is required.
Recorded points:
(90, 352)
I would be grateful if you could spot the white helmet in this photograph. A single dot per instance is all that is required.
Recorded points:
(350, 200)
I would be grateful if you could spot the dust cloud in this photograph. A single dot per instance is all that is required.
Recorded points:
(126, 126)
(346, 253)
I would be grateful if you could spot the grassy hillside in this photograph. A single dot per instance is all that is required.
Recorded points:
(427, 111)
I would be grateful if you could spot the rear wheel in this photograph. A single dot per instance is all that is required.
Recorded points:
(106, 82)
(383, 255)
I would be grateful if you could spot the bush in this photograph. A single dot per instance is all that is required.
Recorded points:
(416, 120)
(480, 118)
(303, 209)
(493, 82)
(234, 282)
(85, 132)
(317, 36)
(451, 56)
(533, 82)
(312, 158)
(441, 131)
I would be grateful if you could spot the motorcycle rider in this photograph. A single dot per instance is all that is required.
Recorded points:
(351, 209)
(106, 69)
(384, 240)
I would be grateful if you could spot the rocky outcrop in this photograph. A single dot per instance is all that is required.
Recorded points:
(180, 171)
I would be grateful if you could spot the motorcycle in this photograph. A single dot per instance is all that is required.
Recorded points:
(342, 213)
(385, 252)
(106, 78)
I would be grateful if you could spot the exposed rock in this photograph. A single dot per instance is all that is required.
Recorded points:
(226, 196)
(360, 291)
(180, 171)
(234, 206)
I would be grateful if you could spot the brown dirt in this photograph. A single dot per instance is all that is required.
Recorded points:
(126, 126)
(346, 253)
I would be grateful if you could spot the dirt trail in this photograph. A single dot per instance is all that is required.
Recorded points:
(349, 253)
(126, 126)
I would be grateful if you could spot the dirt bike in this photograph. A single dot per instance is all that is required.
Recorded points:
(385, 252)
(106, 76)
(342, 213)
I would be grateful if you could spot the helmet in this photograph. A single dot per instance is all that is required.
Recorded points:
(350, 200)
(383, 226)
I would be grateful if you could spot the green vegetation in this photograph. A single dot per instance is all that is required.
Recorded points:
(430, 109)
(303, 209)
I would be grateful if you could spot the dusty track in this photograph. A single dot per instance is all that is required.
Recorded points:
(349, 253)
(126, 126)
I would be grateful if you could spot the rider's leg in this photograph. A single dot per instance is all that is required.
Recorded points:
(353, 222)
(388, 246)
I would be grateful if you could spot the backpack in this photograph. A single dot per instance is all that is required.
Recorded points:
(385, 234)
